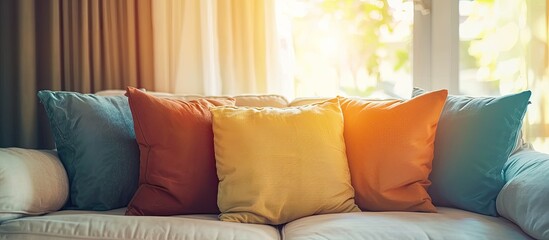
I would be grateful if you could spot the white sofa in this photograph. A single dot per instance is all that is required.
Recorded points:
(44, 183)
(448, 223)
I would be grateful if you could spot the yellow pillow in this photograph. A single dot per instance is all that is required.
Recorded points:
(276, 165)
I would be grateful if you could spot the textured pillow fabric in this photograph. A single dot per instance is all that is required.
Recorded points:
(390, 150)
(474, 139)
(276, 165)
(524, 198)
(32, 182)
(96, 144)
(177, 174)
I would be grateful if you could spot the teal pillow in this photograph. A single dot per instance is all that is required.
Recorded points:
(96, 143)
(474, 139)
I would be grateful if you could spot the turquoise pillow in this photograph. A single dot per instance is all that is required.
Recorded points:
(474, 139)
(96, 143)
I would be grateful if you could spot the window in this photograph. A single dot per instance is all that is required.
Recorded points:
(496, 39)
(360, 48)
(471, 47)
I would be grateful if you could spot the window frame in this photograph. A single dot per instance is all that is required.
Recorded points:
(435, 46)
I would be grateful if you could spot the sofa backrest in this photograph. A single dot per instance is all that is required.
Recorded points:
(250, 100)
(259, 100)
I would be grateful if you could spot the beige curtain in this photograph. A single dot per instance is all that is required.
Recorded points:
(217, 47)
(100, 44)
(84, 46)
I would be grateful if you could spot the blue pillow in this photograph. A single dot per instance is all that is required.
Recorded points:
(96, 143)
(474, 139)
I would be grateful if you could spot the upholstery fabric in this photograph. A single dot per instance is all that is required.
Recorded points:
(96, 143)
(311, 100)
(177, 164)
(524, 198)
(390, 150)
(448, 224)
(474, 139)
(261, 101)
(276, 165)
(249, 100)
(87, 225)
(32, 182)
(307, 100)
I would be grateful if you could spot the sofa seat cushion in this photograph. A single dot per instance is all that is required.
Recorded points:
(448, 223)
(76, 224)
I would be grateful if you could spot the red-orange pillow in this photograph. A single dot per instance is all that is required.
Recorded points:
(177, 164)
(390, 148)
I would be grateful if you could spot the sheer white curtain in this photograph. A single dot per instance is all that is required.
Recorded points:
(218, 47)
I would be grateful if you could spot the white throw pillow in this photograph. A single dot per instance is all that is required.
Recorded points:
(32, 182)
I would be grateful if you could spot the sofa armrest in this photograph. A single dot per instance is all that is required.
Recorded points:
(32, 182)
(525, 197)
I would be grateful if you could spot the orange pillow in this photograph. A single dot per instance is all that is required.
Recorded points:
(390, 146)
(177, 165)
